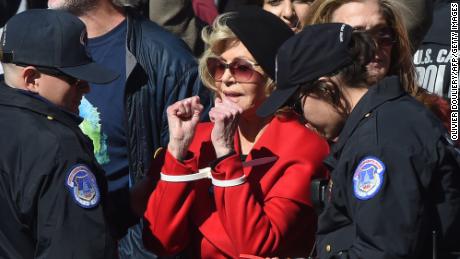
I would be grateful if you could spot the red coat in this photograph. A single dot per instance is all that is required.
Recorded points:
(269, 215)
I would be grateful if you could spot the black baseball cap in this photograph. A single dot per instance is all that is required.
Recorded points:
(51, 39)
(262, 33)
(316, 51)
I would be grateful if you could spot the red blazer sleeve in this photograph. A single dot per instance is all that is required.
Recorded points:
(285, 215)
(170, 206)
(269, 215)
(168, 209)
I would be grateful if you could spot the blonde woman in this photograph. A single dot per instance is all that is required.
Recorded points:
(240, 185)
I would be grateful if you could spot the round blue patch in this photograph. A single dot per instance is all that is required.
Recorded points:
(82, 185)
(368, 178)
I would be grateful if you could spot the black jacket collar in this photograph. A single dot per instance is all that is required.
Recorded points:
(387, 89)
(17, 98)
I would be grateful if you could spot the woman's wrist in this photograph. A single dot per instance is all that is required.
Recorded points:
(223, 151)
(177, 151)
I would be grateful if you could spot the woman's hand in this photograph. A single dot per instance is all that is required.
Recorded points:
(183, 116)
(225, 116)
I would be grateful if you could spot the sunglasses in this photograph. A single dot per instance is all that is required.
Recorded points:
(297, 105)
(57, 73)
(320, 90)
(383, 36)
(241, 69)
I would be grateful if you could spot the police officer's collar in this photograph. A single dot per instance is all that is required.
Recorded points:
(74, 116)
(19, 98)
(387, 89)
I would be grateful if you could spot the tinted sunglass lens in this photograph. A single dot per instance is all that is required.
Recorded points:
(385, 37)
(216, 68)
(72, 80)
(69, 79)
(385, 41)
(241, 70)
(57, 73)
(298, 107)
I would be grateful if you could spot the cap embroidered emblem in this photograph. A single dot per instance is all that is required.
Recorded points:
(84, 38)
(342, 28)
(4, 35)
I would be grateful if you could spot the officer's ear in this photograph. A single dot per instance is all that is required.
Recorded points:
(31, 77)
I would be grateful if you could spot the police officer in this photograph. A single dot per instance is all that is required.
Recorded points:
(52, 191)
(395, 188)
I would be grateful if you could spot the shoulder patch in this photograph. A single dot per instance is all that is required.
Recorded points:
(368, 178)
(82, 186)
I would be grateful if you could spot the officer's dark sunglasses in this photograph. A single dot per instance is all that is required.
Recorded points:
(297, 104)
(56, 73)
(383, 36)
(315, 87)
(241, 69)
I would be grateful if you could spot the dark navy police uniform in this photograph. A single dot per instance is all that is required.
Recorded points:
(52, 192)
(395, 179)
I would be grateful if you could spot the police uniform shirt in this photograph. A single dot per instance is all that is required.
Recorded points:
(51, 189)
(395, 179)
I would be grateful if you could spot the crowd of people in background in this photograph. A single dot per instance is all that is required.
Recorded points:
(227, 129)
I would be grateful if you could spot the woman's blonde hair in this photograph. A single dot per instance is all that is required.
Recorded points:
(218, 38)
(401, 57)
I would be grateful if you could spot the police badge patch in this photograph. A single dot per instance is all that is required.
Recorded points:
(82, 185)
(368, 178)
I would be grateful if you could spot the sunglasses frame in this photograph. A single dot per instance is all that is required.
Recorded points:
(233, 68)
(57, 73)
(318, 89)
(383, 36)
